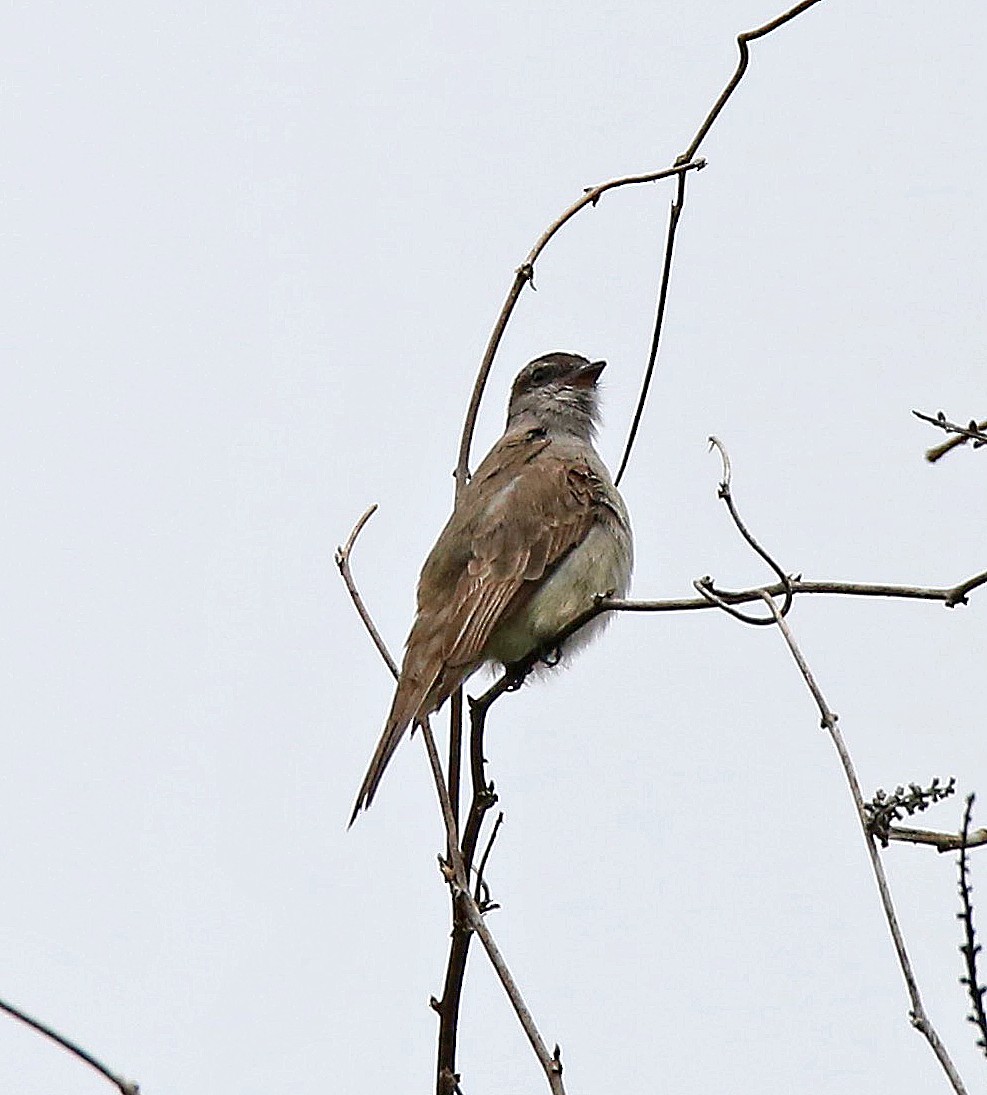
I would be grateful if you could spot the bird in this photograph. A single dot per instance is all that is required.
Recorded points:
(536, 536)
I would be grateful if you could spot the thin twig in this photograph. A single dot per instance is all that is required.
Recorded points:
(971, 948)
(122, 1085)
(455, 869)
(675, 211)
(343, 563)
(706, 586)
(514, 674)
(456, 876)
(948, 595)
(483, 799)
(448, 1007)
(525, 273)
(918, 1016)
(480, 881)
(742, 45)
(678, 203)
(974, 432)
(551, 1062)
(942, 842)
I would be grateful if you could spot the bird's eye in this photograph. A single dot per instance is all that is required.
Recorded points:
(540, 374)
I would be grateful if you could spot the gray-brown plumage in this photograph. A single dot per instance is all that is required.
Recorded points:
(536, 535)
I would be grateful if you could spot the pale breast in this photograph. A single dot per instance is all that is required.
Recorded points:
(600, 564)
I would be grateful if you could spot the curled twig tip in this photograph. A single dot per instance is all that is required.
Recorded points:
(706, 586)
(343, 553)
(716, 443)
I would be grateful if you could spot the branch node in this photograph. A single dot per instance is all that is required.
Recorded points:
(705, 585)
(447, 871)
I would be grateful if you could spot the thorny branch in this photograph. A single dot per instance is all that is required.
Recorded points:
(973, 431)
(125, 1087)
(970, 948)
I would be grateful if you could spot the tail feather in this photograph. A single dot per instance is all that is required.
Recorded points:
(425, 683)
(403, 710)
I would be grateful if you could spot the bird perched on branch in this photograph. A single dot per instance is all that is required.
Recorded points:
(536, 536)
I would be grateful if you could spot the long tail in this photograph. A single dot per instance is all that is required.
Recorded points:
(393, 732)
(412, 701)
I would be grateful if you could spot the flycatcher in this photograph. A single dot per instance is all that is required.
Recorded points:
(537, 534)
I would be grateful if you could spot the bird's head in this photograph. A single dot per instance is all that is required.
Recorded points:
(558, 392)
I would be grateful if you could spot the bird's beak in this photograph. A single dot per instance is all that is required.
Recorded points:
(588, 375)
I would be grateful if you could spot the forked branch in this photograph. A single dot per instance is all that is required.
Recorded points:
(467, 914)
(974, 431)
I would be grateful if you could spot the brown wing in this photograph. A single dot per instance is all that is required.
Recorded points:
(533, 510)
(523, 511)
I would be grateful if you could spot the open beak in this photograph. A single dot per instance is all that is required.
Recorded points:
(588, 375)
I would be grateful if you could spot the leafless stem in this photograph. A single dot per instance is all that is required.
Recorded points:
(467, 916)
(971, 948)
(918, 1016)
(343, 563)
(525, 273)
(974, 432)
(705, 586)
(676, 211)
(456, 875)
(942, 842)
(480, 880)
(742, 45)
(948, 595)
(455, 748)
(122, 1085)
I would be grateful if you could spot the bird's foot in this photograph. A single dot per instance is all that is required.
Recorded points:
(516, 672)
(551, 658)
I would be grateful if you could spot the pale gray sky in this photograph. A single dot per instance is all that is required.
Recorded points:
(252, 254)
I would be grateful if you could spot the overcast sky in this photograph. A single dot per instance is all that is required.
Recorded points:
(252, 253)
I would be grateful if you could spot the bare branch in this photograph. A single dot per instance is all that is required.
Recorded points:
(918, 1016)
(455, 748)
(455, 870)
(343, 563)
(942, 842)
(456, 876)
(125, 1087)
(971, 948)
(480, 880)
(525, 273)
(706, 586)
(679, 203)
(973, 431)
(742, 45)
(948, 595)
